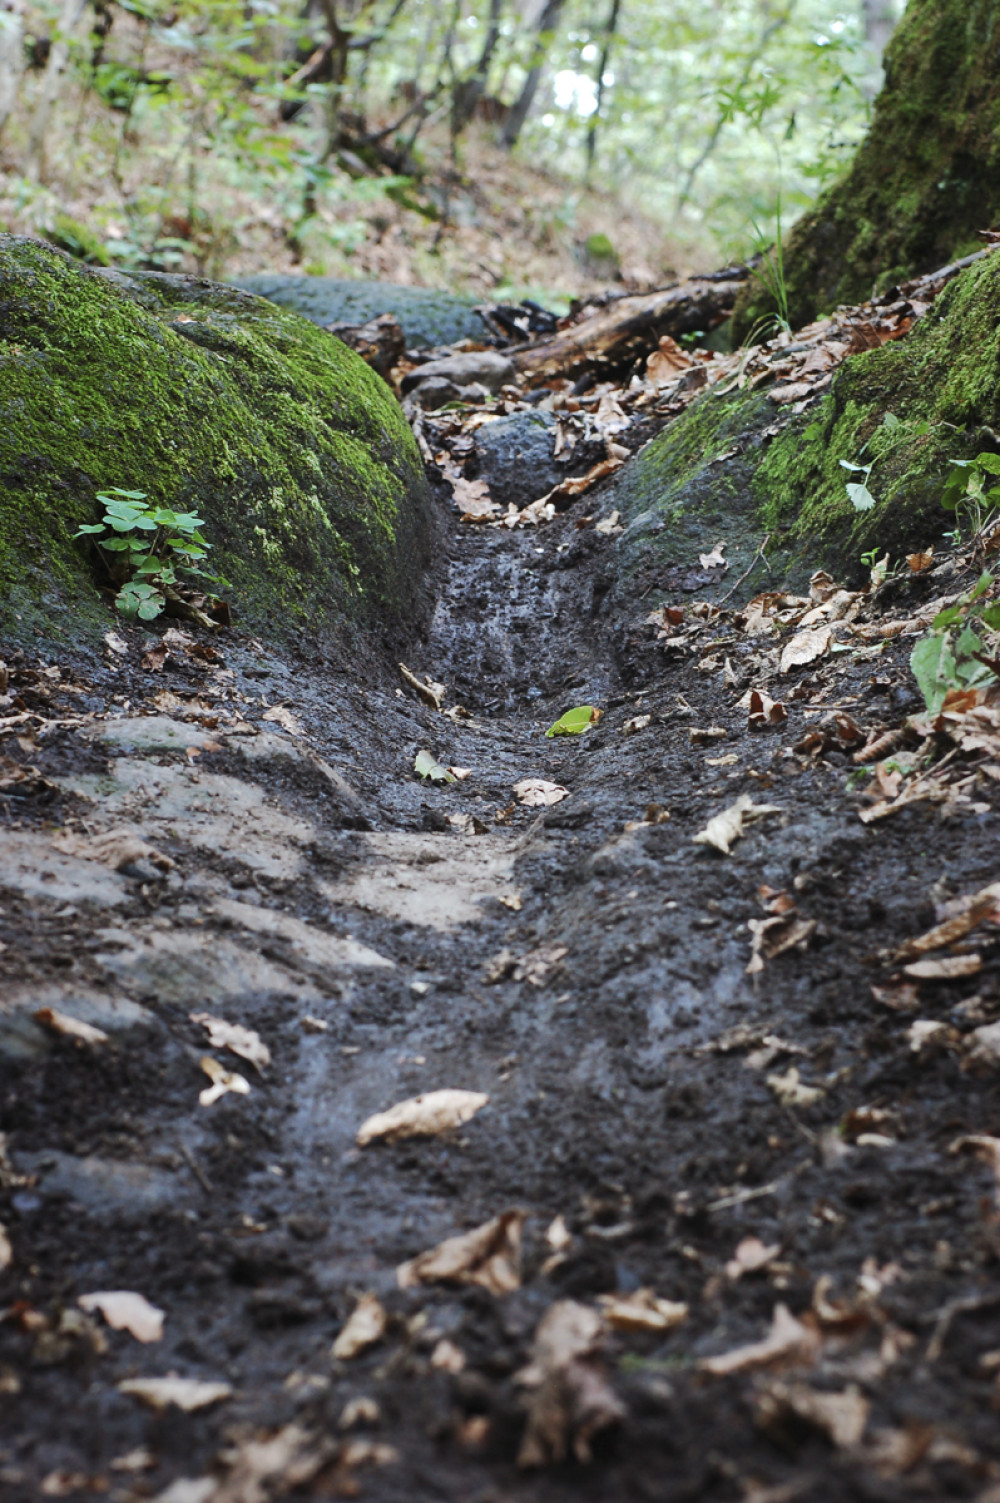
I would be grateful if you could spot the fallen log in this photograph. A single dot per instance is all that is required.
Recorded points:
(631, 327)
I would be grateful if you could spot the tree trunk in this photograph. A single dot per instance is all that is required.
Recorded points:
(11, 56)
(602, 68)
(547, 24)
(925, 181)
(71, 17)
(469, 91)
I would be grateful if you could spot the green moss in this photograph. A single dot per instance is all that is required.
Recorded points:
(924, 181)
(737, 468)
(947, 375)
(290, 447)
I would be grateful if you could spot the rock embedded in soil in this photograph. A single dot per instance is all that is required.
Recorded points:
(732, 466)
(292, 450)
(428, 317)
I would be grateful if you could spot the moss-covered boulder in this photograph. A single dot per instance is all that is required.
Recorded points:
(427, 317)
(926, 178)
(295, 454)
(734, 467)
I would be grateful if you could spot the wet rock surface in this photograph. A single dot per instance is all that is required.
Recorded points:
(584, 966)
(428, 318)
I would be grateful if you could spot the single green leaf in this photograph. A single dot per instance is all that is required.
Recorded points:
(426, 767)
(990, 616)
(989, 462)
(109, 495)
(932, 664)
(861, 497)
(968, 643)
(88, 531)
(575, 721)
(150, 609)
(117, 545)
(947, 617)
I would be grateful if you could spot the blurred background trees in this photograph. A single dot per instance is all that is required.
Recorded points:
(503, 146)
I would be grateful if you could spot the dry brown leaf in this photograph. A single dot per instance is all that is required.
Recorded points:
(975, 910)
(241, 1041)
(572, 1399)
(641, 1311)
(115, 848)
(576, 486)
(667, 362)
(637, 723)
(365, 1326)
(723, 830)
(985, 1045)
(536, 965)
(763, 711)
(920, 562)
(610, 525)
(68, 1027)
(422, 1116)
(472, 497)
(789, 1343)
(126, 1311)
(278, 715)
(805, 647)
(6, 1251)
(782, 1408)
(714, 560)
(946, 968)
(223, 1081)
(773, 936)
(489, 1256)
(789, 1090)
(536, 793)
(751, 1256)
(187, 1394)
(432, 694)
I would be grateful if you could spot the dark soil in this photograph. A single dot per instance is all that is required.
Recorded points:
(256, 1223)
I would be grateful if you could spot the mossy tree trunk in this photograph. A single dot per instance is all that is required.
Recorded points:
(924, 182)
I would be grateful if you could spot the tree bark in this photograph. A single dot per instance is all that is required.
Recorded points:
(11, 56)
(602, 68)
(547, 24)
(69, 24)
(925, 181)
(469, 91)
(633, 326)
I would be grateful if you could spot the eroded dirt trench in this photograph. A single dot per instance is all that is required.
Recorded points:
(776, 1157)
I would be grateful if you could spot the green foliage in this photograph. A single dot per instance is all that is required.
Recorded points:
(972, 493)
(575, 722)
(940, 663)
(430, 770)
(144, 547)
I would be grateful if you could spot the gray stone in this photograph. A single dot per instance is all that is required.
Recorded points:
(31, 865)
(515, 455)
(427, 317)
(471, 368)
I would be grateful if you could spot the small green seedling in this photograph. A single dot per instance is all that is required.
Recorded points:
(426, 766)
(940, 664)
(576, 721)
(144, 548)
(861, 497)
(972, 493)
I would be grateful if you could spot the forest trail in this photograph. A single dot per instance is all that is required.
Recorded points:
(795, 1167)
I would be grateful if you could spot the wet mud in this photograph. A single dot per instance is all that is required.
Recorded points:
(386, 938)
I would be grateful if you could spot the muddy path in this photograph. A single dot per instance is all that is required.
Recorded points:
(737, 1144)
